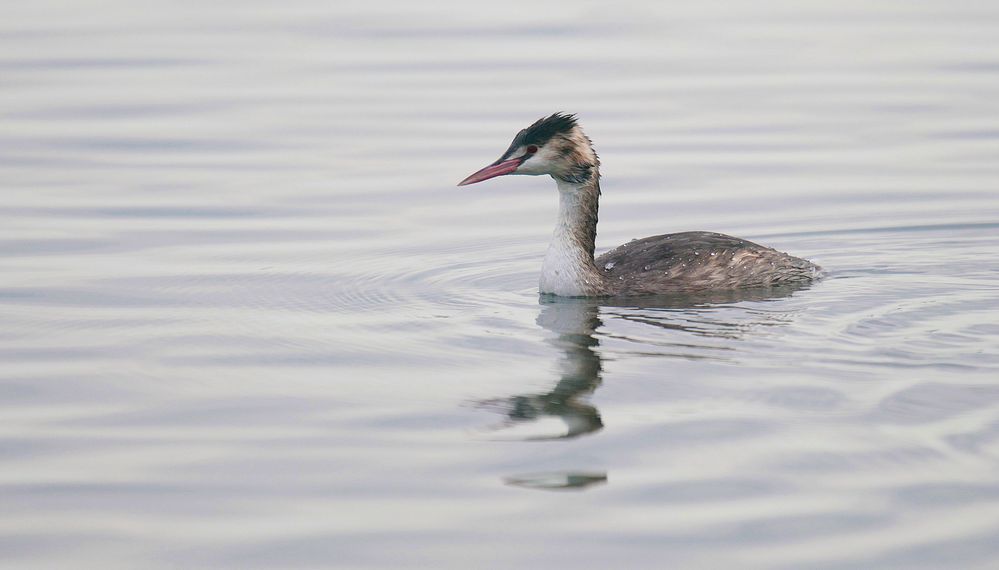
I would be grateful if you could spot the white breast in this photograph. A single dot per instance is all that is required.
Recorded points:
(562, 272)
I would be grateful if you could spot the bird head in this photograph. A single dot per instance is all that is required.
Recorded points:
(554, 145)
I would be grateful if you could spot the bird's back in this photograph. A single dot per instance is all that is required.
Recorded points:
(695, 261)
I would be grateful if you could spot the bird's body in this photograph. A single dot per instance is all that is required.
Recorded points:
(670, 263)
(698, 261)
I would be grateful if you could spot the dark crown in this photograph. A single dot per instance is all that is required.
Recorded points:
(544, 129)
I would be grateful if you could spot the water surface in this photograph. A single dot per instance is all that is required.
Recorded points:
(249, 321)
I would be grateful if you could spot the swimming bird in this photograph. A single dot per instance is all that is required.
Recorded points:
(669, 263)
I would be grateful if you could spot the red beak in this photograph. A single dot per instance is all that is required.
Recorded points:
(492, 171)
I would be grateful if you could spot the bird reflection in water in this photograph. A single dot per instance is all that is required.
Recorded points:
(558, 480)
(575, 322)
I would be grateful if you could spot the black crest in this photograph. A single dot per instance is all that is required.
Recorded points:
(542, 131)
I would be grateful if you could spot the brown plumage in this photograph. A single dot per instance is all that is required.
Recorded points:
(697, 261)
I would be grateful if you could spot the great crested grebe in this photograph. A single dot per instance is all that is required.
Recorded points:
(668, 263)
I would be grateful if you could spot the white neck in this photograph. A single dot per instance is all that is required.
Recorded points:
(568, 266)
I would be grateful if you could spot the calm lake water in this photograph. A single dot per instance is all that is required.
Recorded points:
(248, 320)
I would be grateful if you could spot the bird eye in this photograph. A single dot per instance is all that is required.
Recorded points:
(531, 149)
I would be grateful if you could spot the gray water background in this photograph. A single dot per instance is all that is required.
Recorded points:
(247, 319)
